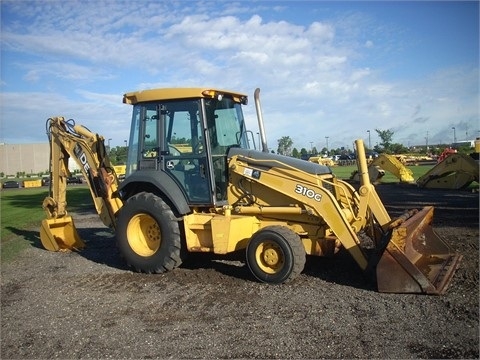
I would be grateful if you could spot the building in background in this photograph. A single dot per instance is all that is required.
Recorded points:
(459, 144)
(27, 158)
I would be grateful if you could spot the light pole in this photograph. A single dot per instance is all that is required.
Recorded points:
(109, 144)
(326, 138)
(454, 135)
(426, 139)
(369, 141)
(311, 146)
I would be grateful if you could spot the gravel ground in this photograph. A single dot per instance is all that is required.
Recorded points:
(88, 305)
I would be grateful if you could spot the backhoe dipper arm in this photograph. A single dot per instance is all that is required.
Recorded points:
(88, 150)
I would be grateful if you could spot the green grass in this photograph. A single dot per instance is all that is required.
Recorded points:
(21, 210)
(344, 172)
(21, 214)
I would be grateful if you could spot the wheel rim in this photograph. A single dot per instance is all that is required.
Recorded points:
(269, 257)
(143, 234)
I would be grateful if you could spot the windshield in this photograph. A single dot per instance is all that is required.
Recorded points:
(225, 123)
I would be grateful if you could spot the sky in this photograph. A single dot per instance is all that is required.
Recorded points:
(329, 72)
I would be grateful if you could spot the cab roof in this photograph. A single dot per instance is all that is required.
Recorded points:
(179, 93)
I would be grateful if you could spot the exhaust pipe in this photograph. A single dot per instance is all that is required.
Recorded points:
(261, 126)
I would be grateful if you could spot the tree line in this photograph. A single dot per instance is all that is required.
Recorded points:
(385, 146)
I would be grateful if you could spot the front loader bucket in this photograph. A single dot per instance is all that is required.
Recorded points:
(60, 235)
(416, 259)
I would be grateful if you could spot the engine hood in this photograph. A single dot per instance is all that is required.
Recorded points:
(279, 161)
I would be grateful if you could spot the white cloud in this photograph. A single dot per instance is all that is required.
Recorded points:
(359, 74)
(254, 56)
(96, 111)
(320, 78)
(64, 71)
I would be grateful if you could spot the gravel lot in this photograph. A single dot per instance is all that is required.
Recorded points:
(88, 305)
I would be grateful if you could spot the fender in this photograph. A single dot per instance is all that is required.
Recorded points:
(145, 180)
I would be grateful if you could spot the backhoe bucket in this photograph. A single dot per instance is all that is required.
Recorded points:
(416, 259)
(60, 235)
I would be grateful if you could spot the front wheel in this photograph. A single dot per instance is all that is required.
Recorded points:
(275, 254)
(148, 234)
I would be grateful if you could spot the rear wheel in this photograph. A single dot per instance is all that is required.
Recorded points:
(148, 234)
(275, 255)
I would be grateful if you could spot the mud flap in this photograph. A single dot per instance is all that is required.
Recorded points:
(416, 259)
(60, 235)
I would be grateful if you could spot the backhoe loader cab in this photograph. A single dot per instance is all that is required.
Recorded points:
(180, 138)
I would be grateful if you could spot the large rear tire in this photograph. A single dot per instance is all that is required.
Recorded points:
(148, 234)
(275, 254)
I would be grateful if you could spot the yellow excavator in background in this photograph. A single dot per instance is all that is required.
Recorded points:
(377, 167)
(322, 160)
(120, 170)
(212, 193)
(453, 170)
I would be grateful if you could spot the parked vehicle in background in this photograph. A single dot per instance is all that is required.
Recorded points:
(45, 181)
(11, 184)
(74, 180)
(120, 170)
(345, 157)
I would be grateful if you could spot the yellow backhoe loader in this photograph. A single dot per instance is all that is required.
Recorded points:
(453, 171)
(214, 194)
(377, 167)
(322, 161)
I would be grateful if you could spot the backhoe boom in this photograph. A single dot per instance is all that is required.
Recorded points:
(68, 140)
